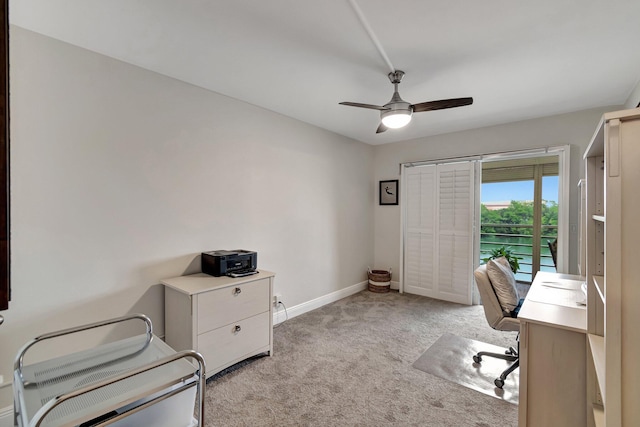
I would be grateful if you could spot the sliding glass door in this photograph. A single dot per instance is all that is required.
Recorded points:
(519, 211)
(456, 211)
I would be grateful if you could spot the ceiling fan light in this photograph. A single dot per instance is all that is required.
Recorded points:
(396, 119)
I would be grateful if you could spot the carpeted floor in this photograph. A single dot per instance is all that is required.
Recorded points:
(349, 363)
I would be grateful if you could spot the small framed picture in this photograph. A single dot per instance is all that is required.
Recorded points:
(389, 192)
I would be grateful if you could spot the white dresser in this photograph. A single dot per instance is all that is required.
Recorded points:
(225, 319)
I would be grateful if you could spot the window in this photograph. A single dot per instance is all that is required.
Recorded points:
(519, 210)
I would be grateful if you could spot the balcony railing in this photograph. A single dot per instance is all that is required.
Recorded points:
(519, 238)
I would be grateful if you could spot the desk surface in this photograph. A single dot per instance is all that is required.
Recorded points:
(539, 306)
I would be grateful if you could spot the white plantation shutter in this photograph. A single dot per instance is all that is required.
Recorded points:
(439, 231)
(455, 228)
(420, 230)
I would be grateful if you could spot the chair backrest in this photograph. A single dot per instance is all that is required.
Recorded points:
(553, 248)
(496, 317)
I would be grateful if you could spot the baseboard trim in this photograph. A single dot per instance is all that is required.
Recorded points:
(6, 417)
(279, 314)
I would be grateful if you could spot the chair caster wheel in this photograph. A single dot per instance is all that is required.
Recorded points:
(477, 358)
(499, 382)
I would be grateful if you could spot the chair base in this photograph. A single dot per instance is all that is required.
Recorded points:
(510, 355)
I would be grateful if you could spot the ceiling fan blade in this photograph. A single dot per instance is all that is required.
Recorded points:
(381, 128)
(370, 106)
(441, 104)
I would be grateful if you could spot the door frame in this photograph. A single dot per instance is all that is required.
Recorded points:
(563, 152)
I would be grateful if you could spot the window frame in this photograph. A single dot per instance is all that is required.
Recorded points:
(564, 176)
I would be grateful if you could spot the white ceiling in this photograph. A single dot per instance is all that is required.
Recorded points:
(517, 59)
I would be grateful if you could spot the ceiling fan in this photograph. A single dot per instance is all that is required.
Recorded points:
(397, 112)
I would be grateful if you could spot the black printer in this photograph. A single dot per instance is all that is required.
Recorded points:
(234, 263)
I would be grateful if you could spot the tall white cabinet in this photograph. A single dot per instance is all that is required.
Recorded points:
(612, 238)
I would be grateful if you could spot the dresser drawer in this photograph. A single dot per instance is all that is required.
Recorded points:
(222, 306)
(231, 342)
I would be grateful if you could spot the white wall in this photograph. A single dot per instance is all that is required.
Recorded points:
(121, 177)
(575, 129)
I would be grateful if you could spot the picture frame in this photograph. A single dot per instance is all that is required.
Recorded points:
(388, 192)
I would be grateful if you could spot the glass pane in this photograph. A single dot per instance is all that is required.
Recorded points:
(549, 222)
(507, 211)
(507, 220)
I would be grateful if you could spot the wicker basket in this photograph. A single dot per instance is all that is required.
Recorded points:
(379, 280)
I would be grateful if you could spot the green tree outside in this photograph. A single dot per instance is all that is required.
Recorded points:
(517, 213)
(504, 222)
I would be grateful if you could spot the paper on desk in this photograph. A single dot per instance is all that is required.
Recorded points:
(566, 293)
(562, 284)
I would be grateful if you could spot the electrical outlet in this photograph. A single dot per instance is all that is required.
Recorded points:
(277, 299)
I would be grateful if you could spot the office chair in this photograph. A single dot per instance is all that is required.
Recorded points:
(553, 248)
(498, 319)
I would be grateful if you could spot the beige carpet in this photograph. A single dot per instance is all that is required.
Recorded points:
(451, 358)
(349, 363)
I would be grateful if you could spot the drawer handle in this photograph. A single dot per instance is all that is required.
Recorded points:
(236, 329)
(237, 291)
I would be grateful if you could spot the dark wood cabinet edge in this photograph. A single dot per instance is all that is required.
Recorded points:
(5, 206)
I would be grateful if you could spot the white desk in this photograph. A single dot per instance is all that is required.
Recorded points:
(553, 353)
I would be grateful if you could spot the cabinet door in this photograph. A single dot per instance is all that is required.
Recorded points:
(554, 365)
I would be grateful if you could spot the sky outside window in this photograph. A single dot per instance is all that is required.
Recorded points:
(519, 190)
